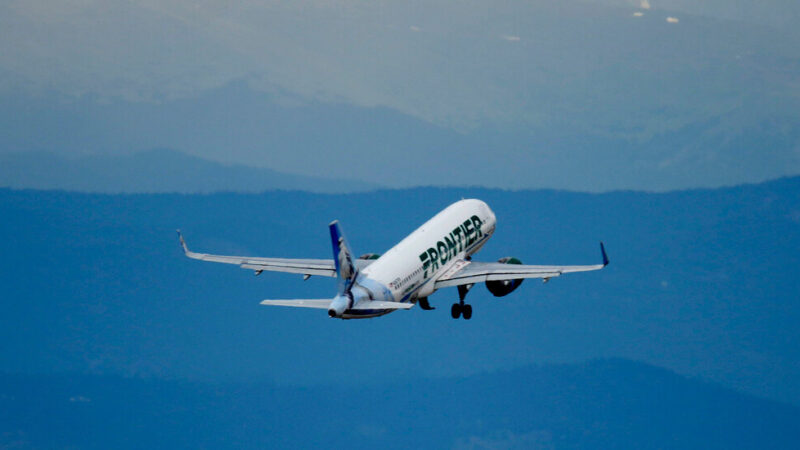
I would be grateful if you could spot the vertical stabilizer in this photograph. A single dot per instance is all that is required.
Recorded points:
(342, 257)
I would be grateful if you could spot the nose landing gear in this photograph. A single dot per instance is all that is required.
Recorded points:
(462, 309)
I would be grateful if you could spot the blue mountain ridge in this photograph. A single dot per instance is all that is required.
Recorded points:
(731, 137)
(152, 171)
(701, 282)
(599, 404)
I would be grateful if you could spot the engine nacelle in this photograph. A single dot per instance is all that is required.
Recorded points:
(369, 256)
(505, 287)
(339, 305)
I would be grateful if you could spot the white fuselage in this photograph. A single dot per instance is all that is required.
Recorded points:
(409, 270)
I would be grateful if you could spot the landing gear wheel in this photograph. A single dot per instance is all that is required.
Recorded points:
(455, 311)
(467, 311)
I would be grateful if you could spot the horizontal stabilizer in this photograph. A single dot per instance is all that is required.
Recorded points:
(320, 303)
(382, 305)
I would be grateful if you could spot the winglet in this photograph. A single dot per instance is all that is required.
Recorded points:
(605, 256)
(183, 243)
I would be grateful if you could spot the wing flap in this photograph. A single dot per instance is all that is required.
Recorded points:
(477, 275)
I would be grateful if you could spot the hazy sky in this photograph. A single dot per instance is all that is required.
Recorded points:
(662, 88)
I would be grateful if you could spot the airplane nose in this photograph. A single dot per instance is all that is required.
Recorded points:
(492, 219)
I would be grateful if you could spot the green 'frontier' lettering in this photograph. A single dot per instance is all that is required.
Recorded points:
(457, 241)
(441, 247)
(469, 231)
(451, 246)
(434, 259)
(425, 263)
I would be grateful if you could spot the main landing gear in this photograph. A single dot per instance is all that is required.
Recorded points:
(462, 309)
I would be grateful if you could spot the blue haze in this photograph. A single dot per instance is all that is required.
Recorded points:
(701, 282)
(111, 337)
(601, 404)
(158, 170)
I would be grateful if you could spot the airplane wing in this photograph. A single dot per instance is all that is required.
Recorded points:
(322, 267)
(476, 272)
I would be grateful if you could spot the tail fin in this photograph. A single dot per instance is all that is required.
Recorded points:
(342, 258)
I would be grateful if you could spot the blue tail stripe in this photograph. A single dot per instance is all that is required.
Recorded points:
(342, 258)
(335, 235)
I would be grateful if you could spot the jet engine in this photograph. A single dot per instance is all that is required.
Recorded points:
(501, 288)
(369, 256)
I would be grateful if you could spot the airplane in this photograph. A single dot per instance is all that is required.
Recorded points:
(438, 254)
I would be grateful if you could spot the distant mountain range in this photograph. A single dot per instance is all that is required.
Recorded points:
(380, 146)
(579, 95)
(154, 171)
(601, 404)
